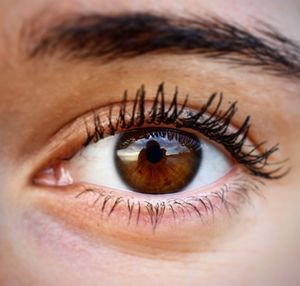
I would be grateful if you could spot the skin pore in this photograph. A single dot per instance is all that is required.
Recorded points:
(48, 237)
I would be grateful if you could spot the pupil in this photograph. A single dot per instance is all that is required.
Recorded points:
(153, 152)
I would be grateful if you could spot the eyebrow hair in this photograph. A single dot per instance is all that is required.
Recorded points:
(108, 37)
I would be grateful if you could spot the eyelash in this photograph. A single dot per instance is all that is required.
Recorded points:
(215, 201)
(215, 127)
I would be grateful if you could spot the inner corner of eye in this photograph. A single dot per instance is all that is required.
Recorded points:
(57, 174)
(145, 160)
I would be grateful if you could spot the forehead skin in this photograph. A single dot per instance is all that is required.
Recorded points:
(248, 259)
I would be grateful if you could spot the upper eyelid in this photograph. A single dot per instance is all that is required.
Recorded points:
(127, 114)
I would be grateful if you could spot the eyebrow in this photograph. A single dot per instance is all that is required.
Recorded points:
(109, 37)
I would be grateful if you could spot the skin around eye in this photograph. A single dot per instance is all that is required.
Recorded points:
(83, 182)
(97, 200)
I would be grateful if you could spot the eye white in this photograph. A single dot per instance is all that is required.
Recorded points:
(95, 164)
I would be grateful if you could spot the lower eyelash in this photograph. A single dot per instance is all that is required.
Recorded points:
(228, 198)
(214, 126)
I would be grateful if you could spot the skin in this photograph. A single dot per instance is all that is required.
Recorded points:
(47, 239)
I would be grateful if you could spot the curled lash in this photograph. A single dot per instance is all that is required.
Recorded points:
(214, 126)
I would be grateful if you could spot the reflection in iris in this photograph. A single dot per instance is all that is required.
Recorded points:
(157, 160)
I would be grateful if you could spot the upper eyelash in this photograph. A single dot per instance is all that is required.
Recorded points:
(214, 126)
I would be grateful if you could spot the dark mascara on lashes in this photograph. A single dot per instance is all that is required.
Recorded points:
(214, 125)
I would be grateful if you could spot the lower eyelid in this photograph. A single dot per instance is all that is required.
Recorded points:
(98, 213)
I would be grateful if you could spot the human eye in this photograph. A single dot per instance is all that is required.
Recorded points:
(149, 165)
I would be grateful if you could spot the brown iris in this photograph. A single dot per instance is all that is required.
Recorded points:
(157, 160)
